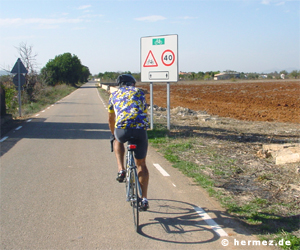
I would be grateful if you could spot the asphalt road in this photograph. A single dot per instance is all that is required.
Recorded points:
(58, 190)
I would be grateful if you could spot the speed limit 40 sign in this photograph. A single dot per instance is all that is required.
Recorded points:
(159, 58)
(168, 57)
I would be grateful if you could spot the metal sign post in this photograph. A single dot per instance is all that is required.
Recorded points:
(168, 107)
(151, 105)
(19, 87)
(159, 63)
(19, 79)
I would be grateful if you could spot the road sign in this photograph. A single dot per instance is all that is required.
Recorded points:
(158, 41)
(150, 60)
(159, 58)
(19, 79)
(18, 64)
(16, 80)
(158, 75)
(168, 57)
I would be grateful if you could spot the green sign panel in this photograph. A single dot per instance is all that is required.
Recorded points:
(158, 41)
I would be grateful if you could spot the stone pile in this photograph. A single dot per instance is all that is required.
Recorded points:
(283, 153)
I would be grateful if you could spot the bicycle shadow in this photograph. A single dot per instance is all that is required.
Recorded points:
(177, 222)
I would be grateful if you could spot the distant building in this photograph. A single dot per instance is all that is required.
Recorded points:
(226, 76)
(184, 73)
(263, 76)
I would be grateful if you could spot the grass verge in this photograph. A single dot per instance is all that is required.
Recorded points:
(45, 97)
(258, 214)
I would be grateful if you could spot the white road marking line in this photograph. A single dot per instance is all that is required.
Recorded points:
(173, 184)
(210, 221)
(104, 104)
(37, 114)
(4, 138)
(43, 111)
(29, 120)
(99, 95)
(161, 170)
(18, 128)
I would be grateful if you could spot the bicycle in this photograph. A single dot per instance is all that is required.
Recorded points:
(133, 187)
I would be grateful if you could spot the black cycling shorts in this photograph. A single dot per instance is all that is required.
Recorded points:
(138, 137)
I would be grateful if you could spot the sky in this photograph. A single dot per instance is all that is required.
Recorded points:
(213, 35)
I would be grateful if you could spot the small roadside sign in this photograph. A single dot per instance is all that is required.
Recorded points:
(18, 64)
(16, 80)
(159, 58)
(19, 79)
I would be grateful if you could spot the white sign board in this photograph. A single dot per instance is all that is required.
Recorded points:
(159, 58)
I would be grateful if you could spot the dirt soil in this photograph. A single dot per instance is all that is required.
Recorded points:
(234, 119)
(252, 101)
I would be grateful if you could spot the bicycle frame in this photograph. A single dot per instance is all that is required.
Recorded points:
(131, 172)
(133, 187)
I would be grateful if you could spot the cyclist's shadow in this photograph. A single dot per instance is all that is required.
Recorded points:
(176, 222)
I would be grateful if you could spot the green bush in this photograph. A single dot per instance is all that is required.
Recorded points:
(11, 98)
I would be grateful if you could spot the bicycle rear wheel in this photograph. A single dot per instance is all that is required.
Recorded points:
(135, 199)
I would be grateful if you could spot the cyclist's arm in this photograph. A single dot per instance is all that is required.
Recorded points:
(111, 122)
(111, 115)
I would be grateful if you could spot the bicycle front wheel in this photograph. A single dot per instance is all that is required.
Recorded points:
(135, 200)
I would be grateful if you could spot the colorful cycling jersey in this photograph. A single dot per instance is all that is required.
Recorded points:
(129, 105)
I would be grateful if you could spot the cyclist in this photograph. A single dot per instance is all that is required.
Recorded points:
(128, 121)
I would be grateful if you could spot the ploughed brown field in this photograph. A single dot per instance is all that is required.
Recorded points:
(277, 100)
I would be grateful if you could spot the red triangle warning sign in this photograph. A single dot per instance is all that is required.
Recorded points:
(150, 60)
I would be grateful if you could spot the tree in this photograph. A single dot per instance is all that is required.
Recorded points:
(27, 56)
(137, 76)
(200, 75)
(242, 75)
(252, 76)
(65, 68)
(295, 74)
(110, 76)
(192, 75)
(85, 74)
(209, 75)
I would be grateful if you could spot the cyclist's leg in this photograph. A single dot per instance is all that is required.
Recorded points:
(119, 152)
(143, 175)
(141, 140)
